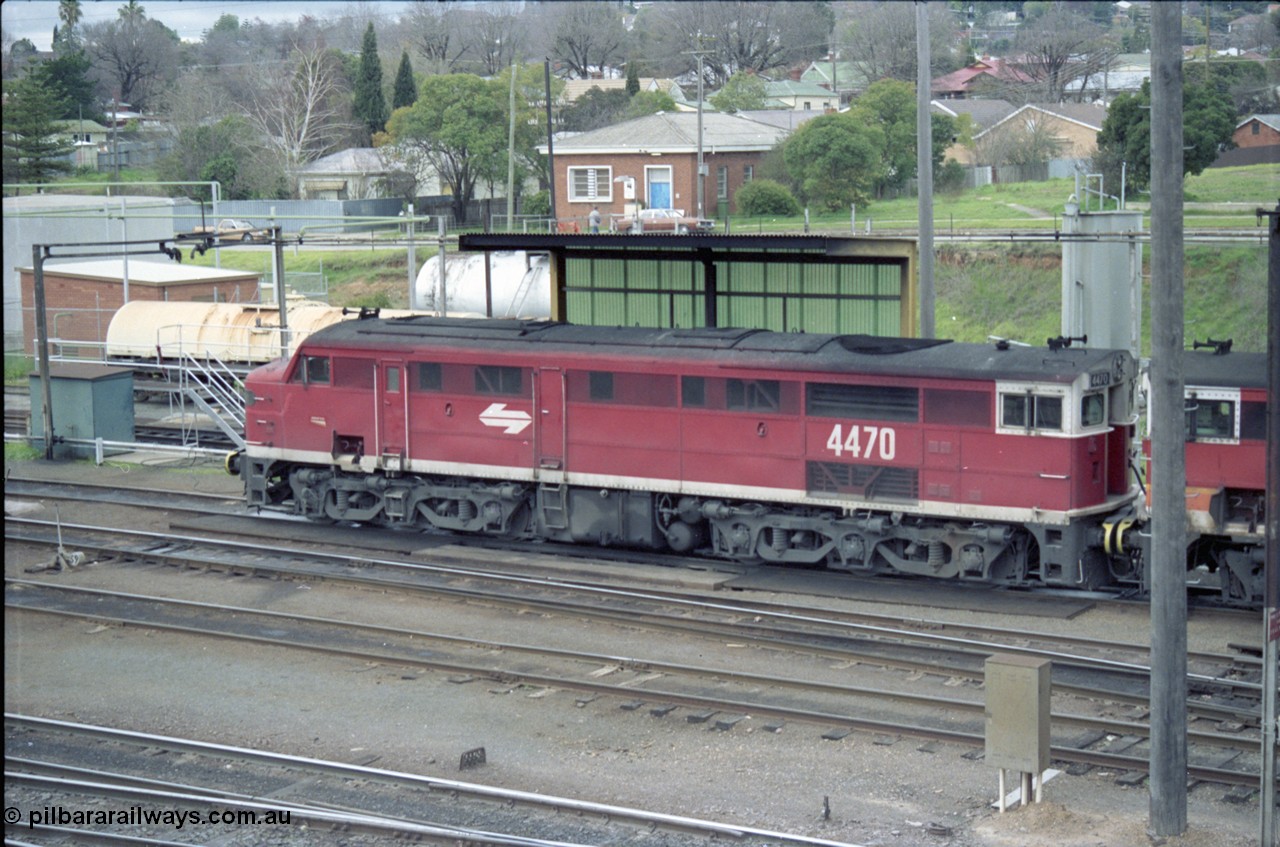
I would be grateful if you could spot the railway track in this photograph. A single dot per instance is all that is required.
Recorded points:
(797, 634)
(275, 792)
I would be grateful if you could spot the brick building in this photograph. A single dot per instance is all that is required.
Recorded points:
(82, 297)
(651, 162)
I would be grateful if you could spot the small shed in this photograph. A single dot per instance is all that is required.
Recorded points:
(88, 401)
(82, 297)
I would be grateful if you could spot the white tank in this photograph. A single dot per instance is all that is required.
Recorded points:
(520, 283)
(232, 332)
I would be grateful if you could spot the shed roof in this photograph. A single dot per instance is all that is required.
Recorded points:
(144, 272)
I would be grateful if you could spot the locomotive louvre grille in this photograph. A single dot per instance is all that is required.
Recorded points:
(867, 482)
(863, 402)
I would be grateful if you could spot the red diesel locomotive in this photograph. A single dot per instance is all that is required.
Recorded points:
(1226, 437)
(986, 462)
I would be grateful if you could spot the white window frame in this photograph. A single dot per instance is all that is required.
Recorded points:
(600, 192)
(722, 182)
(1065, 394)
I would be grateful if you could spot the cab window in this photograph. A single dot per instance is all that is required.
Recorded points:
(312, 370)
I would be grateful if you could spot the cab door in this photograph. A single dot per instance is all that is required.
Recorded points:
(548, 427)
(392, 414)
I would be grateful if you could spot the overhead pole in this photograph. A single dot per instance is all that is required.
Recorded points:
(1168, 766)
(924, 170)
(1271, 565)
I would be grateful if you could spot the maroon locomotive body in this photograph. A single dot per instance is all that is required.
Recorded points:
(985, 462)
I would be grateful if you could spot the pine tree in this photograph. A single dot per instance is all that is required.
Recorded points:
(370, 104)
(633, 78)
(33, 152)
(404, 92)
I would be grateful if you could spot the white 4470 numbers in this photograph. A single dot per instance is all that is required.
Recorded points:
(863, 442)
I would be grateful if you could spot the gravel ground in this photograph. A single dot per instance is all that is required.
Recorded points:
(267, 698)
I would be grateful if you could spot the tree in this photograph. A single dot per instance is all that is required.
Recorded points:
(457, 128)
(132, 55)
(1207, 124)
(65, 38)
(370, 105)
(33, 152)
(404, 91)
(633, 78)
(742, 92)
(67, 77)
(595, 108)
(890, 105)
(879, 40)
(738, 35)
(1058, 47)
(303, 115)
(765, 197)
(836, 160)
(648, 103)
(586, 35)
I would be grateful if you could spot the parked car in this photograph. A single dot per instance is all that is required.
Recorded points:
(664, 220)
(232, 229)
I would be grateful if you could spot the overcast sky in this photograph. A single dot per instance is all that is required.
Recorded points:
(35, 19)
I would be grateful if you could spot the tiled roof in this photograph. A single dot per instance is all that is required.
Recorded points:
(672, 132)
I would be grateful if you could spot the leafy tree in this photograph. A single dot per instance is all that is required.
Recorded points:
(743, 91)
(595, 108)
(33, 152)
(67, 77)
(370, 105)
(133, 56)
(1207, 124)
(65, 38)
(648, 103)
(457, 128)
(836, 160)
(766, 197)
(633, 78)
(890, 104)
(404, 92)
(226, 151)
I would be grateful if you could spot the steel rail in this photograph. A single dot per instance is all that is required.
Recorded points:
(417, 781)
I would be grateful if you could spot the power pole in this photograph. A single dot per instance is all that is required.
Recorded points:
(1271, 598)
(924, 170)
(701, 178)
(1168, 782)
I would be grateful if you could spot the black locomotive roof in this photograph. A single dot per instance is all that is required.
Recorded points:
(1229, 370)
(729, 347)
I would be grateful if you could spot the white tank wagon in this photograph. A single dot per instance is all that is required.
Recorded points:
(519, 282)
(146, 330)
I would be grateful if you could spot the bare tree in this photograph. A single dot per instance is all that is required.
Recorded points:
(1025, 138)
(586, 35)
(737, 35)
(1058, 47)
(879, 39)
(302, 115)
(436, 33)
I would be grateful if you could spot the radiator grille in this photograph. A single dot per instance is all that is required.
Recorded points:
(867, 482)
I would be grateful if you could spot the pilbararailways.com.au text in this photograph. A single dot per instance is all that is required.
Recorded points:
(141, 816)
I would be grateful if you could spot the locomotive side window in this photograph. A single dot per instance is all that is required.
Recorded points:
(864, 402)
(353, 373)
(498, 379)
(600, 386)
(1093, 409)
(958, 408)
(693, 391)
(393, 380)
(1210, 418)
(761, 395)
(1253, 420)
(427, 376)
(313, 370)
(1031, 411)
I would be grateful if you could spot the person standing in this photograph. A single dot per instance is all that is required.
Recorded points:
(593, 219)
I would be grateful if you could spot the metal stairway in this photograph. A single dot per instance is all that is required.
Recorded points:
(216, 391)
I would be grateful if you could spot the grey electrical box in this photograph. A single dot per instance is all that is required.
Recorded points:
(1017, 712)
(88, 401)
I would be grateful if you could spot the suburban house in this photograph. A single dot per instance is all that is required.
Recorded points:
(971, 80)
(1123, 75)
(978, 115)
(358, 173)
(575, 88)
(1257, 131)
(651, 162)
(800, 96)
(88, 137)
(844, 78)
(1075, 126)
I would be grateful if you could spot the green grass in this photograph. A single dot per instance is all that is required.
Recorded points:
(17, 368)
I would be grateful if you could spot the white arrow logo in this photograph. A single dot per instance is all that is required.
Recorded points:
(513, 421)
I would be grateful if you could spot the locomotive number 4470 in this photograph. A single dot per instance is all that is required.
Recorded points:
(863, 442)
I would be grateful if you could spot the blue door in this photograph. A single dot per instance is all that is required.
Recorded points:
(659, 180)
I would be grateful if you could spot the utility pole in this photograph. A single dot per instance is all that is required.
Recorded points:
(1167, 569)
(1271, 565)
(511, 151)
(702, 168)
(924, 170)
